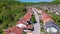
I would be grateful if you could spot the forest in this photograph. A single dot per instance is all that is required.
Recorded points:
(12, 10)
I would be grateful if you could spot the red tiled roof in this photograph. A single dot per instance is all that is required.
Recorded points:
(17, 30)
(45, 16)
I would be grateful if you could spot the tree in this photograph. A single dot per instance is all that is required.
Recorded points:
(10, 12)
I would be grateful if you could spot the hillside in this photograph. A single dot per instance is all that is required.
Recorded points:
(10, 12)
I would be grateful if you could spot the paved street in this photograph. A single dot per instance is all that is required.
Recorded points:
(37, 25)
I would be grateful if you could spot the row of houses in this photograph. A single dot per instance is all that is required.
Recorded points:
(51, 8)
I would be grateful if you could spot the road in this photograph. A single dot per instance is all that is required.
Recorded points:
(37, 25)
(54, 28)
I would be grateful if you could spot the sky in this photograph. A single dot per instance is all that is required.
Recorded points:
(36, 0)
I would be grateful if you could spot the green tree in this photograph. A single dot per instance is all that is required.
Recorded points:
(10, 12)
